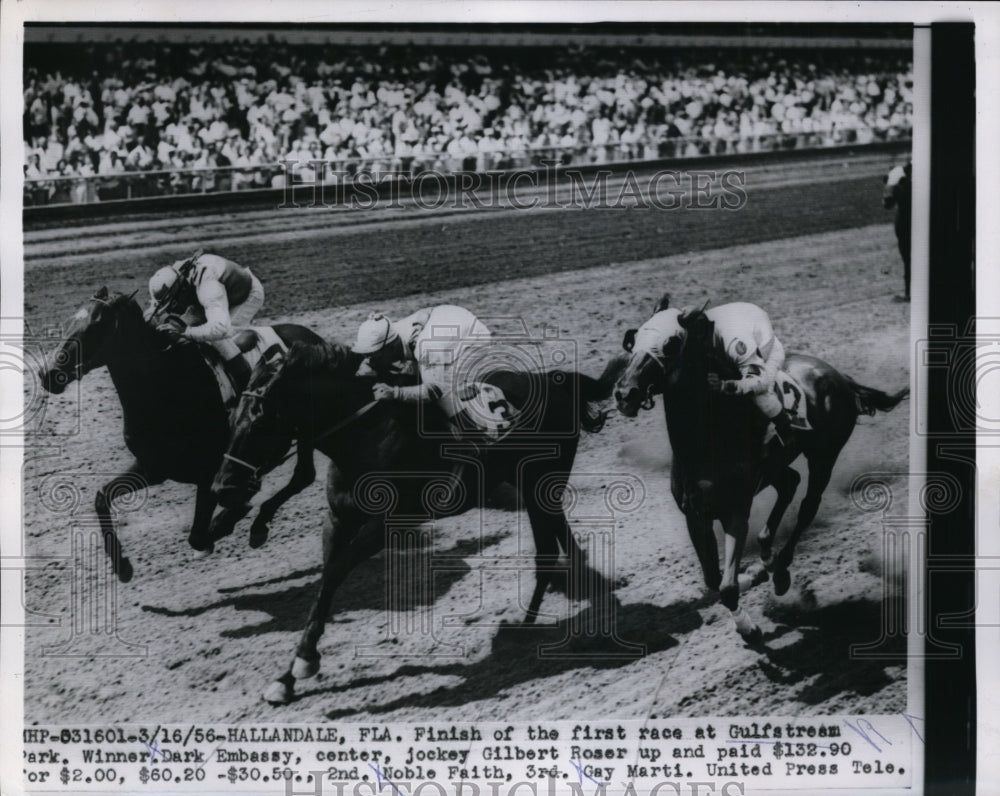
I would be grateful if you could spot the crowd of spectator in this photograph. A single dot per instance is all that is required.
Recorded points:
(175, 118)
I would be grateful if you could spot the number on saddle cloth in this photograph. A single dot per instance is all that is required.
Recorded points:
(793, 399)
(487, 409)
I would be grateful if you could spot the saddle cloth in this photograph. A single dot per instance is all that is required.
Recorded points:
(793, 398)
(485, 412)
(255, 343)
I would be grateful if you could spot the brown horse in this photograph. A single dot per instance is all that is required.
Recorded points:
(176, 425)
(381, 461)
(720, 461)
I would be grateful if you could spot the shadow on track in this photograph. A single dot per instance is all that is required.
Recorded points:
(514, 656)
(822, 656)
(287, 607)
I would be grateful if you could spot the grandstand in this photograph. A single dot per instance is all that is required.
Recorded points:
(114, 113)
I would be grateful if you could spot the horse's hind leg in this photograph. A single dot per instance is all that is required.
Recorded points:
(339, 558)
(785, 482)
(546, 529)
(132, 480)
(819, 478)
(304, 475)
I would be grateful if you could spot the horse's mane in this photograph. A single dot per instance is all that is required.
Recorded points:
(118, 300)
(693, 319)
(333, 357)
(122, 303)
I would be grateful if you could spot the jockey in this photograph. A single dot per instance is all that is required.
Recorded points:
(431, 344)
(744, 332)
(228, 293)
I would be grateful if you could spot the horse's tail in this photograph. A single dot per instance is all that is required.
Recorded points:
(869, 400)
(592, 393)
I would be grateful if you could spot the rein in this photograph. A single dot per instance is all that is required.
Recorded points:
(648, 402)
(338, 426)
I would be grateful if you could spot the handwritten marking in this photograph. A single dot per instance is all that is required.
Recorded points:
(748, 740)
(868, 725)
(580, 773)
(378, 774)
(154, 750)
(909, 716)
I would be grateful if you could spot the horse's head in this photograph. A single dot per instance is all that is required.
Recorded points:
(653, 348)
(281, 403)
(87, 339)
(261, 434)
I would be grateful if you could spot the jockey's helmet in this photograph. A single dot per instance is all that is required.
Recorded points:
(163, 285)
(374, 334)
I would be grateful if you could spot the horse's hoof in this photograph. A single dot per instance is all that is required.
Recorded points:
(753, 637)
(199, 555)
(782, 580)
(258, 535)
(124, 570)
(279, 693)
(303, 669)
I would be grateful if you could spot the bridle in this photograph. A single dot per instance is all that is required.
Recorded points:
(648, 402)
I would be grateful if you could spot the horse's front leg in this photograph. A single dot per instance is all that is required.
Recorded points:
(339, 559)
(698, 515)
(736, 525)
(785, 482)
(304, 475)
(132, 480)
(204, 531)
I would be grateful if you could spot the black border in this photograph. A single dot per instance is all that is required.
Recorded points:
(950, 686)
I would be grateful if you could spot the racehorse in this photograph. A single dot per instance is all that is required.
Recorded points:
(720, 460)
(176, 424)
(385, 457)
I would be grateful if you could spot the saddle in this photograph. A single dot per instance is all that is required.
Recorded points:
(256, 343)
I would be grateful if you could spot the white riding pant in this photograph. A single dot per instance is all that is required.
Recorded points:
(241, 316)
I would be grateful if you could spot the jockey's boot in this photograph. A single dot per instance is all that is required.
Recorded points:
(239, 371)
(783, 429)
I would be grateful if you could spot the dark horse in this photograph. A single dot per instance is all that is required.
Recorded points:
(720, 460)
(384, 458)
(176, 425)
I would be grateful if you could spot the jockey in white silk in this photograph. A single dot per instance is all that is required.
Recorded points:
(432, 342)
(743, 331)
(228, 294)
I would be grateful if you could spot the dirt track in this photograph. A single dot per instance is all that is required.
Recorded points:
(820, 257)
